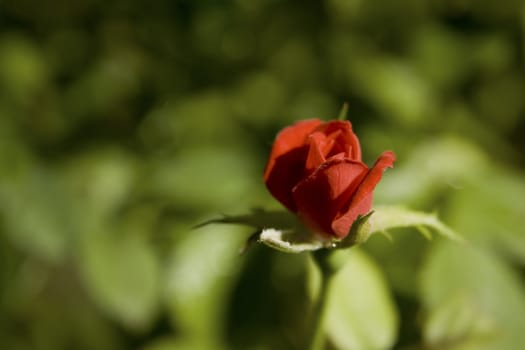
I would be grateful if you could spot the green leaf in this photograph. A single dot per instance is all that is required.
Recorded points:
(200, 272)
(186, 175)
(391, 217)
(441, 165)
(491, 300)
(492, 216)
(258, 218)
(122, 274)
(460, 323)
(403, 95)
(36, 212)
(360, 313)
(385, 218)
(174, 343)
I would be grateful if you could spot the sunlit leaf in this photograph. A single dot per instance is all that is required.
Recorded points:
(36, 213)
(494, 310)
(404, 95)
(175, 343)
(490, 211)
(200, 272)
(458, 324)
(391, 217)
(360, 313)
(22, 66)
(187, 176)
(123, 275)
(435, 166)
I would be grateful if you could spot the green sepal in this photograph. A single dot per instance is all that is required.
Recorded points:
(359, 232)
(282, 230)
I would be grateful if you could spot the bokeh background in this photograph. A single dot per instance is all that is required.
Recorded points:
(125, 123)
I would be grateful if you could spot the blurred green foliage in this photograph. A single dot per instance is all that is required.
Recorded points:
(125, 123)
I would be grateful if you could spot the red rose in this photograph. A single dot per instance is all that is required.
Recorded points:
(315, 170)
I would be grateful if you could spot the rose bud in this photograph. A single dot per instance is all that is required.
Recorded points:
(315, 170)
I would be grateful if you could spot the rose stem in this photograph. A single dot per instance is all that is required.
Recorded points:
(316, 339)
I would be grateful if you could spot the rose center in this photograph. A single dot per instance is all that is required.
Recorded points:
(323, 147)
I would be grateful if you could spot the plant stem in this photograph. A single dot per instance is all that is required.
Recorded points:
(343, 114)
(316, 339)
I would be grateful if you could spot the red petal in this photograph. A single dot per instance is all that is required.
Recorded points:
(286, 164)
(319, 197)
(346, 141)
(361, 202)
(316, 141)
